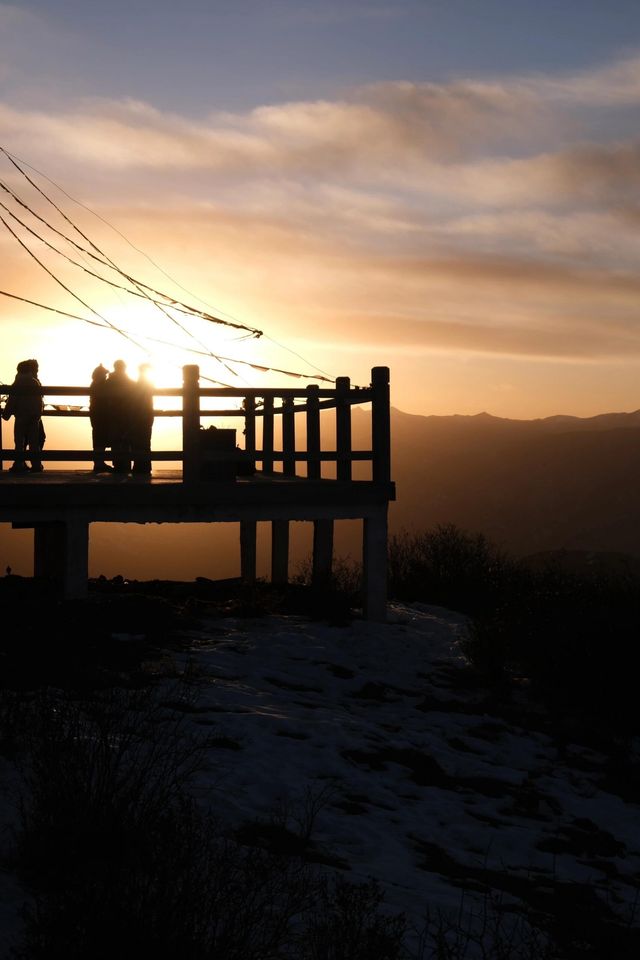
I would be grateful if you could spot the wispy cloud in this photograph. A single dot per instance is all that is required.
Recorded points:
(474, 215)
(389, 123)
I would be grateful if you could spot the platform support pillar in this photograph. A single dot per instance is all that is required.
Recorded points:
(374, 566)
(61, 555)
(280, 551)
(322, 552)
(248, 541)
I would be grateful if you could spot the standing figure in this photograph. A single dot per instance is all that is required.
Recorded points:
(142, 421)
(26, 404)
(121, 398)
(100, 417)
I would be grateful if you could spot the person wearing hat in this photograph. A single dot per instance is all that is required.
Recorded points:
(100, 417)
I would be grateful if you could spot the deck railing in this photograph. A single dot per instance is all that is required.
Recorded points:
(266, 415)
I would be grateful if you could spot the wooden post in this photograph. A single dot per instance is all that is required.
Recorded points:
(1, 445)
(248, 538)
(190, 424)
(288, 437)
(374, 564)
(250, 429)
(280, 551)
(322, 553)
(313, 432)
(381, 425)
(343, 428)
(267, 435)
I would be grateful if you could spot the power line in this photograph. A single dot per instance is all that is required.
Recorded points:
(105, 261)
(236, 323)
(74, 316)
(64, 287)
(105, 280)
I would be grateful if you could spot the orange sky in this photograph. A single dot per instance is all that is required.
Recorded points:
(477, 233)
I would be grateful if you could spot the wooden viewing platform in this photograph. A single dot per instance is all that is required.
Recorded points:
(219, 482)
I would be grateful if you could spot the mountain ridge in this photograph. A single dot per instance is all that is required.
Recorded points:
(558, 483)
(555, 483)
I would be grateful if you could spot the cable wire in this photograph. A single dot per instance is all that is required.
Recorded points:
(106, 261)
(236, 323)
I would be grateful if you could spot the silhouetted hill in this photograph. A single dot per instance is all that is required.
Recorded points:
(529, 485)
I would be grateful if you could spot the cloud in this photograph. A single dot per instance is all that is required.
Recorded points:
(399, 127)
(403, 216)
(613, 84)
(601, 174)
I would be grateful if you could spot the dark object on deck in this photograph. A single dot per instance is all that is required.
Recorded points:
(245, 466)
(215, 441)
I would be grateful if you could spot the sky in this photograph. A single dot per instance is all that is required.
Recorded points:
(450, 189)
(371, 739)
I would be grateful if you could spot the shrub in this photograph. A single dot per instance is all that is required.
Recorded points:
(347, 923)
(333, 601)
(452, 568)
(573, 635)
(122, 862)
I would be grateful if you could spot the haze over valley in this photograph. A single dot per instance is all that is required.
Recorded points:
(530, 486)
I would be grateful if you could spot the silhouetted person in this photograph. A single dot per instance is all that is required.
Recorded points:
(34, 366)
(142, 420)
(121, 396)
(26, 404)
(100, 417)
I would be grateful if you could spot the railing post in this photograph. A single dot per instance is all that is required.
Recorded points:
(343, 428)
(250, 429)
(267, 435)
(313, 432)
(190, 423)
(288, 437)
(381, 425)
(374, 566)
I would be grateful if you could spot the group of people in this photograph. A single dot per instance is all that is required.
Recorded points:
(120, 411)
(121, 414)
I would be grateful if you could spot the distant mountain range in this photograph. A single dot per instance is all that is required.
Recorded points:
(531, 486)
(528, 485)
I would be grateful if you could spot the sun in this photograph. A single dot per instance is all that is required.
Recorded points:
(143, 334)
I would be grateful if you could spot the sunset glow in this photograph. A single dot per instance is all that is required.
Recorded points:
(465, 214)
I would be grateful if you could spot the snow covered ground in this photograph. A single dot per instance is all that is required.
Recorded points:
(415, 784)
(371, 739)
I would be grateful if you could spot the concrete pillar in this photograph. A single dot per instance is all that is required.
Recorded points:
(374, 563)
(248, 541)
(280, 551)
(322, 552)
(61, 555)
